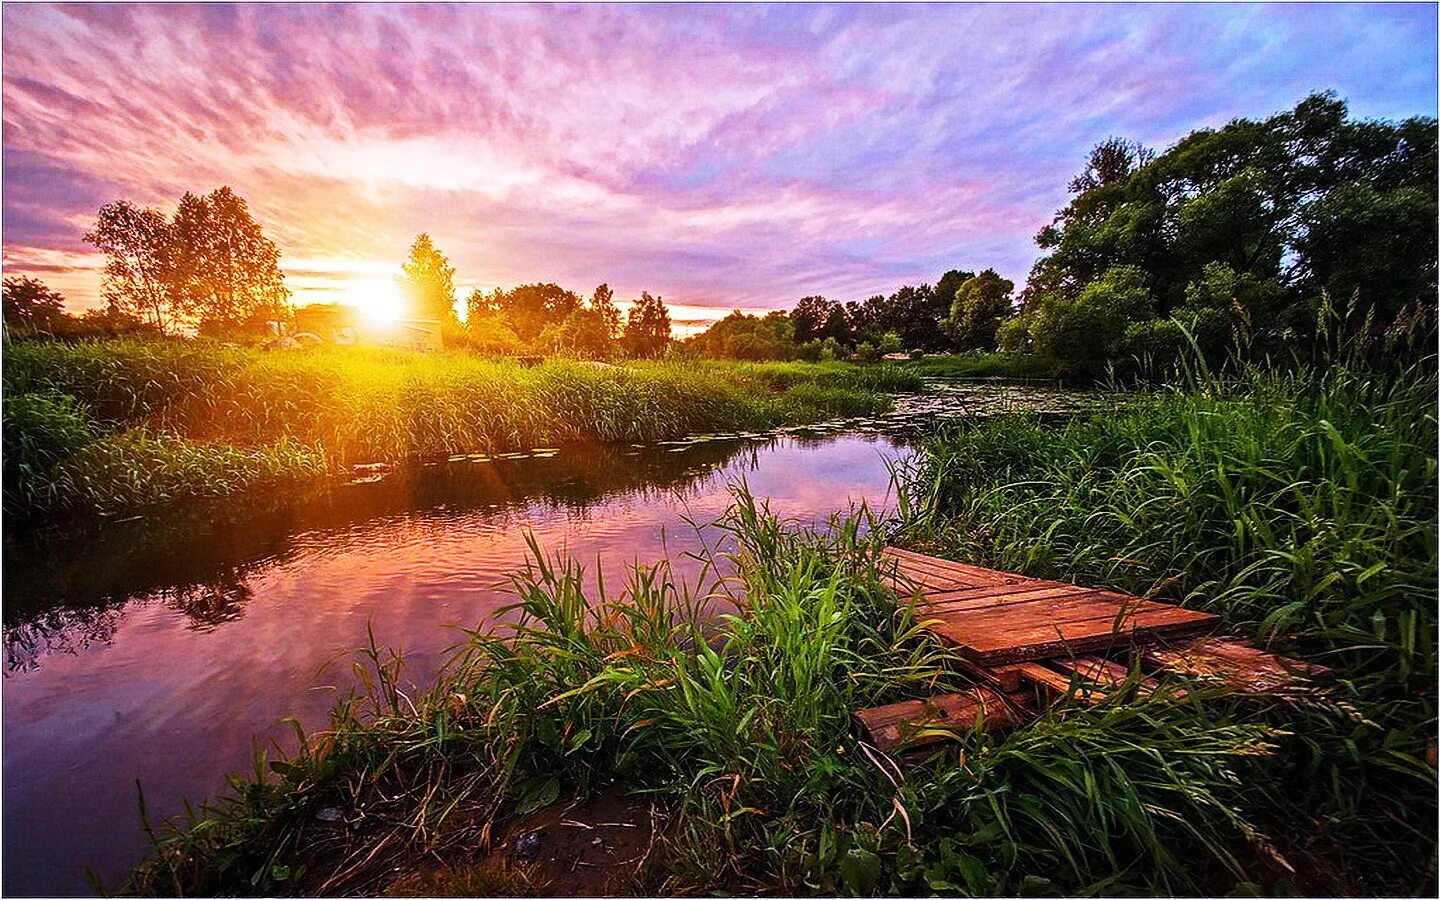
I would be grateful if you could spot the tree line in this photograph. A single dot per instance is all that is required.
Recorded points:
(1237, 239)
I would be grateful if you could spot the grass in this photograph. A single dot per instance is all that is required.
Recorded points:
(977, 364)
(1299, 504)
(114, 426)
(740, 727)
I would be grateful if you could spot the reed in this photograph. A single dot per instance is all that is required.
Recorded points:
(739, 726)
(1301, 505)
(234, 418)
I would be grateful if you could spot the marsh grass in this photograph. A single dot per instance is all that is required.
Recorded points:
(239, 420)
(739, 725)
(1298, 503)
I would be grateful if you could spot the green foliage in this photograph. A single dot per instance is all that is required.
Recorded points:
(209, 264)
(489, 335)
(1083, 334)
(741, 336)
(40, 430)
(1251, 223)
(740, 726)
(647, 328)
(1301, 505)
(354, 405)
(980, 306)
(528, 309)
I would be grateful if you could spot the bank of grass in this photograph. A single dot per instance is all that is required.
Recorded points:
(1299, 504)
(113, 426)
(740, 730)
(976, 364)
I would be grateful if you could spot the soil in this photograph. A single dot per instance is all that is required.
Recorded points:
(594, 847)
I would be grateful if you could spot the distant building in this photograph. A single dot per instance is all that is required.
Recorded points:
(346, 326)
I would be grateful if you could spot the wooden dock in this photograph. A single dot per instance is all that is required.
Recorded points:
(1029, 642)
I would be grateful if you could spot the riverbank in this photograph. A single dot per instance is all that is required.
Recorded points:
(1301, 507)
(117, 426)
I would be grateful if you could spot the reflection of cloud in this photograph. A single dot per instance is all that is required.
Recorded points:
(719, 156)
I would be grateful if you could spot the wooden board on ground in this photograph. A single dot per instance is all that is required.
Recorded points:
(916, 723)
(995, 618)
(1238, 665)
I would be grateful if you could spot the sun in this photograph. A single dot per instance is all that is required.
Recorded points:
(377, 299)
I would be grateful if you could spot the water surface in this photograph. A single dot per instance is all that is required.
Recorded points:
(164, 648)
(159, 650)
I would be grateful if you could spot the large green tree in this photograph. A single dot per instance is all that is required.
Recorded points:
(1247, 226)
(223, 271)
(138, 244)
(981, 304)
(528, 309)
(210, 264)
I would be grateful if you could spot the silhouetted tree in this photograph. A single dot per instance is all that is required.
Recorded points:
(603, 302)
(647, 328)
(137, 243)
(29, 306)
(223, 271)
(429, 282)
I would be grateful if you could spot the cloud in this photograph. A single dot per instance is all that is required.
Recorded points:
(719, 155)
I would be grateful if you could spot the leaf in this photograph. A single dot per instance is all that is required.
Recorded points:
(537, 792)
(861, 870)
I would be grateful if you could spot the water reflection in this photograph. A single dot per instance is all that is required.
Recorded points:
(159, 648)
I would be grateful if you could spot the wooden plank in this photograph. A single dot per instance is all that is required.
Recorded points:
(974, 598)
(1077, 605)
(1236, 664)
(916, 723)
(1006, 678)
(1041, 642)
(936, 565)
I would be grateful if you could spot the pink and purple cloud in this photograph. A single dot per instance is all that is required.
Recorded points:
(722, 156)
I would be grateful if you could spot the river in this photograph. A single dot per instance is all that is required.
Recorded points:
(163, 649)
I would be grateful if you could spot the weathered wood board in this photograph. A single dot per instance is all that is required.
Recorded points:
(994, 618)
(916, 723)
(1234, 664)
(1028, 639)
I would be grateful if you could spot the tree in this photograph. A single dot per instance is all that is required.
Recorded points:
(1082, 334)
(223, 271)
(981, 304)
(29, 306)
(528, 309)
(741, 336)
(137, 243)
(647, 328)
(1272, 213)
(603, 302)
(815, 318)
(585, 333)
(429, 282)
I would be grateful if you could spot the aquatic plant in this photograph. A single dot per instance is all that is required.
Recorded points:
(1300, 504)
(354, 405)
(730, 706)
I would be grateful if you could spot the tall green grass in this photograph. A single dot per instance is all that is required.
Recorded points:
(740, 727)
(1299, 504)
(237, 416)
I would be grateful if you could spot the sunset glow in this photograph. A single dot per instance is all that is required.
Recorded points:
(378, 299)
(721, 157)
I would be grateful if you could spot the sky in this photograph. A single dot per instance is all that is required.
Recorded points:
(720, 156)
